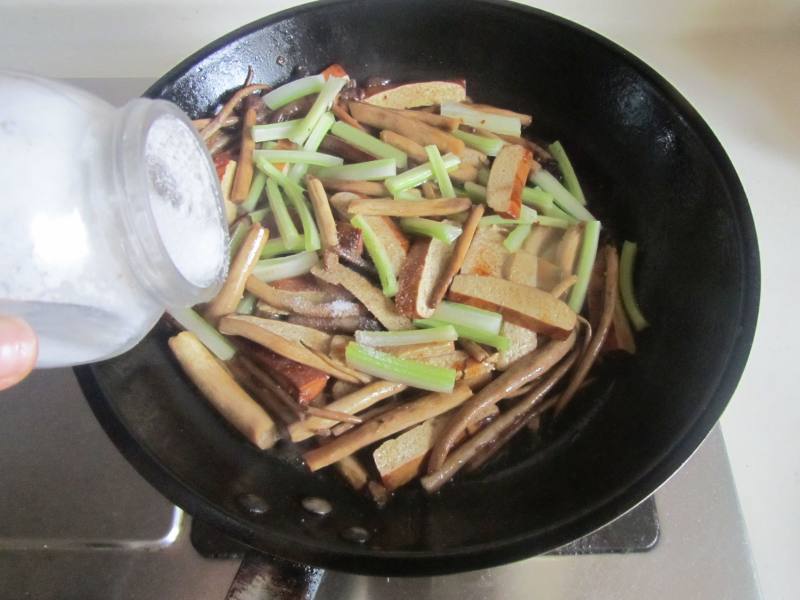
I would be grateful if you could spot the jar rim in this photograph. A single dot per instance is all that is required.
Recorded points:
(151, 259)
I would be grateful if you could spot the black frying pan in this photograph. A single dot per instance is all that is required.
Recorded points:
(651, 167)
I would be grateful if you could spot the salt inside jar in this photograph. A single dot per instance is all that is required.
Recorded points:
(109, 217)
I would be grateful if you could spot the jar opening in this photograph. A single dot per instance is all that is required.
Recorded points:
(173, 211)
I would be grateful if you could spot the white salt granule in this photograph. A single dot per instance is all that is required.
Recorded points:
(183, 201)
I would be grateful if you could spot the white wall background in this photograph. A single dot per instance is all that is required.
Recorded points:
(737, 61)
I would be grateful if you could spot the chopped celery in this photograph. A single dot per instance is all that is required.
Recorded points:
(310, 231)
(418, 175)
(527, 216)
(370, 170)
(557, 213)
(445, 333)
(537, 198)
(440, 171)
(489, 146)
(237, 237)
(258, 215)
(475, 118)
(378, 254)
(443, 232)
(205, 332)
(254, 195)
(274, 131)
(412, 194)
(475, 192)
(300, 156)
(283, 219)
(272, 269)
(471, 333)
(553, 222)
(369, 144)
(591, 237)
(321, 105)
(517, 237)
(273, 172)
(570, 178)
(626, 264)
(289, 92)
(401, 370)
(298, 170)
(464, 314)
(483, 175)
(561, 195)
(246, 305)
(276, 247)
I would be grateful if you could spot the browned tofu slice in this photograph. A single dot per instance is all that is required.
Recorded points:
(507, 177)
(522, 267)
(423, 93)
(422, 268)
(521, 304)
(393, 240)
(486, 255)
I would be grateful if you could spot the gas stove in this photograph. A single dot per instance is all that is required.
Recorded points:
(76, 521)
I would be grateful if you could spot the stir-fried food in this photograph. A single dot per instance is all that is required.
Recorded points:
(413, 282)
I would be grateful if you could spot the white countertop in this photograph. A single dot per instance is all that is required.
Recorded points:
(736, 62)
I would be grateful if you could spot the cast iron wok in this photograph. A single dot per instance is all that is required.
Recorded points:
(651, 167)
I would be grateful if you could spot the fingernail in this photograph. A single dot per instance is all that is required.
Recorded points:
(18, 349)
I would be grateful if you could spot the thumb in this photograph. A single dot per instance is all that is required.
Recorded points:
(18, 350)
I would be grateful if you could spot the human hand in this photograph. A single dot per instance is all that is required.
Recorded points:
(18, 349)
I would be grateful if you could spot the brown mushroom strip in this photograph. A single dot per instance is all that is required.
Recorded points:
(322, 210)
(220, 142)
(390, 207)
(510, 422)
(522, 371)
(487, 108)
(535, 148)
(365, 188)
(475, 350)
(365, 416)
(459, 253)
(244, 165)
(229, 107)
(312, 338)
(350, 154)
(379, 305)
(432, 119)
(352, 403)
(324, 413)
(262, 395)
(561, 288)
(266, 381)
(378, 492)
(335, 325)
(463, 173)
(422, 133)
(599, 337)
(505, 421)
(232, 290)
(250, 328)
(340, 112)
(429, 190)
(222, 391)
(403, 417)
(306, 303)
(231, 121)
(342, 367)
(353, 472)
(414, 150)
(567, 250)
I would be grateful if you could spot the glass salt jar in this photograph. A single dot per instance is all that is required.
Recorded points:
(109, 216)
